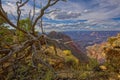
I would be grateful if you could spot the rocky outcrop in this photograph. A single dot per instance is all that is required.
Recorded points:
(96, 51)
(67, 43)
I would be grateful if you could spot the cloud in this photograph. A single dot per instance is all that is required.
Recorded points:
(10, 6)
(96, 10)
(64, 15)
(98, 14)
(98, 25)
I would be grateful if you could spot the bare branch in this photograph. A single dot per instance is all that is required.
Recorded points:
(4, 51)
(24, 3)
(26, 54)
(6, 57)
(4, 16)
(17, 49)
(46, 64)
(1, 8)
(41, 26)
(29, 15)
(33, 11)
(42, 12)
(10, 23)
(18, 9)
(39, 60)
(53, 3)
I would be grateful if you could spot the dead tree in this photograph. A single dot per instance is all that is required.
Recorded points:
(29, 44)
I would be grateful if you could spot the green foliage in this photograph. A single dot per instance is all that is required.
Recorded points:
(93, 63)
(24, 24)
(49, 75)
(69, 58)
(6, 35)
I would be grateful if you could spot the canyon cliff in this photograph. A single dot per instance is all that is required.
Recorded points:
(67, 43)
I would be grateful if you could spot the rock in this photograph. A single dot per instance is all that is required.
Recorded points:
(68, 43)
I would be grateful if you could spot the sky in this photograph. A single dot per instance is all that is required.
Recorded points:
(80, 15)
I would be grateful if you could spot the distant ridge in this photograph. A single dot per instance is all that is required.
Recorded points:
(70, 45)
(89, 38)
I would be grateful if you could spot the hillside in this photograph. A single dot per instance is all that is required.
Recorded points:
(62, 61)
(48, 63)
(68, 43)
(108, 53)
